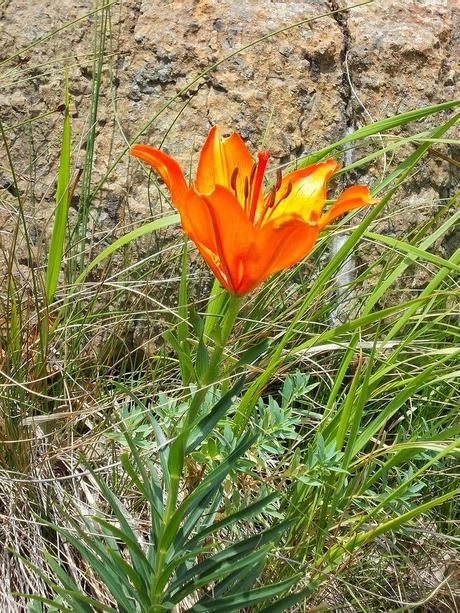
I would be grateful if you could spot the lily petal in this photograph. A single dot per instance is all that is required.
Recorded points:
(197, 221)
(353, 197)
(219, 158)
(277, 247)
(168, 169)
(213, 261)
(308, 192)
(234, 233)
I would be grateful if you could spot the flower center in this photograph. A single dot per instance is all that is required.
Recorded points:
(274, 198)
(253, 188)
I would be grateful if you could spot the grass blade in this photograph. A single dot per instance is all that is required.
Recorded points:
(56, 248)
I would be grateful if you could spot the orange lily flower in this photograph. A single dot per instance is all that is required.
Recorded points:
(243, 234)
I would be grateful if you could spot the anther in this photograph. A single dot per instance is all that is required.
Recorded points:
(286, 193)
(269, 204)
(233, 179)
(246, 189)
(253, 172)
(271, 198)
(279, 178)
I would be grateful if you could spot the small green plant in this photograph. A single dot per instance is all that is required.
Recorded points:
(194, 562)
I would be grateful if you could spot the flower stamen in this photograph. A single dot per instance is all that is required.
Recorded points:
(253, 172)
(271, 198)
(233, 180)
(246, 193)
(270, 202)
(279, 178)
(286, 193)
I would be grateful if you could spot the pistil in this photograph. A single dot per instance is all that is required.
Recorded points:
(256, 185)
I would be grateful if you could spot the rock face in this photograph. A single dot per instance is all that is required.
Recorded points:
(292, 93)
(403, 56)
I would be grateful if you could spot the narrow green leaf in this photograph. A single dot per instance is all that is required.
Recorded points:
(148, 228)
(364, 537)
(222, 569)
(67, 582)
(182, 328)
(378, 126)
(347, 409)
(413, 251)
(215, 307)
(244, 513)
(253, 353)
(405, 167)
(140, 586)
(398, 491)
(202, 361)
(138, 559)
(56, 248)
(236, 602)
(232, 553)
(207, 487)
(187, 367)
(53, 605)
(184, 356)
(77, 599)
(240, 581)
(390, 409)
(90, 548)
(206, 425)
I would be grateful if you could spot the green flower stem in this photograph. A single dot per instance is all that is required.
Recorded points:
(228, 321)
(214, 369)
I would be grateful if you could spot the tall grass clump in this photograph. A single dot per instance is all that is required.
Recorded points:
(170, 444)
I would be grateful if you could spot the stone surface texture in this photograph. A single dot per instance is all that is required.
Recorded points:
(293, 92)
